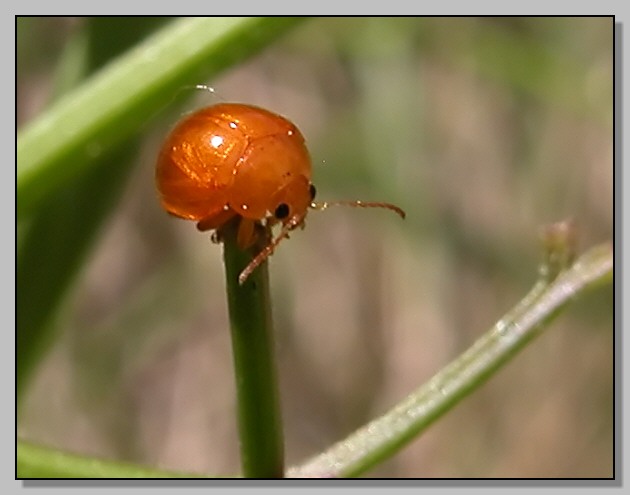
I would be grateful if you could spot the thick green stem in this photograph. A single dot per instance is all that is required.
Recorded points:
(249, 306)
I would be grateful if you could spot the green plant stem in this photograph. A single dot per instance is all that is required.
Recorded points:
(249, 307)
(381, 438)
(35, 461)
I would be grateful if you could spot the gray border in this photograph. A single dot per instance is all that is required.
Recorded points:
(327, 483)
(618, 214)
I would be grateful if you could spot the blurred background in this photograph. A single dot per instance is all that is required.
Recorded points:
(482, 129)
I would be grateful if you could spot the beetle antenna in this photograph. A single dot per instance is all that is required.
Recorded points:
(296, 221)
(268, 249)
(322, 205)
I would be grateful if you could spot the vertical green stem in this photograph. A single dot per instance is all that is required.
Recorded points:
(259, 421)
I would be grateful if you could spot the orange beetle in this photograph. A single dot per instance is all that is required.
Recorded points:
(234, 160)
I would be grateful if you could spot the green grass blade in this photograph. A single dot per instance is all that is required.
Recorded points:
(53, 249)
(57, 237)
(34, 461)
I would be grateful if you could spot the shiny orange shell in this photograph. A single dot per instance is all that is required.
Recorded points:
(234, 159)
(239, 161)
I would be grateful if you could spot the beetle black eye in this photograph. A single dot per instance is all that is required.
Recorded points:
(282, 211)
(312, 191)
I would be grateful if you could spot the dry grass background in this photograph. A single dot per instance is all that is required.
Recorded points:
(483, 130)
